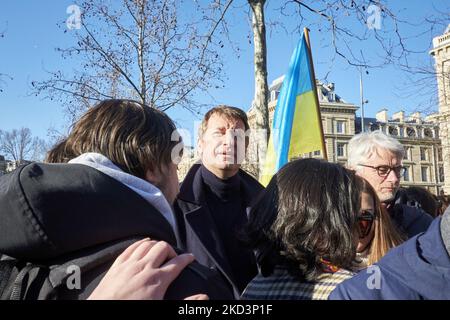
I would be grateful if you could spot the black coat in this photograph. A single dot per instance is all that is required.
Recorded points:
(52, 211)
(198, 232)
(411, 220)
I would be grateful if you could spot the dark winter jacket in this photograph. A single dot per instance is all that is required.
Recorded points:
(411, 220)
(417, 269)
(198, 231)
(50, 212)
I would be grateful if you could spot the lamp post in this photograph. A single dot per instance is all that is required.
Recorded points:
(361, 92)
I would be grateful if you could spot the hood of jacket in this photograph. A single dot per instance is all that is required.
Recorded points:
(47, 210)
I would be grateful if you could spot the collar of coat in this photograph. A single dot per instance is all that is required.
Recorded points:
(192, 189)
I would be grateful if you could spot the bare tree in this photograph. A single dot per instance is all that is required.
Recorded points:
(140, 49)
(260, 101)
(3, 76)
(346, 28)
(20, 145)
(334, 22)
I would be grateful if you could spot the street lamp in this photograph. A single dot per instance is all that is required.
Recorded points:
(361, 92)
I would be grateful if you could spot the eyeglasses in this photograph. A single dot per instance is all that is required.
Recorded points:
(365, 222)
(383, 171)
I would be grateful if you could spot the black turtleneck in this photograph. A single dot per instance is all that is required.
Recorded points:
(224, 201)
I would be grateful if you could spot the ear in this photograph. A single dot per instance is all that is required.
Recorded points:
(199, 147)
(153, 175)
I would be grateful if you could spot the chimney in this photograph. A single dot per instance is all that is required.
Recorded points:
(434, 117)
(416, 116)
(399, 116)
(382, 115)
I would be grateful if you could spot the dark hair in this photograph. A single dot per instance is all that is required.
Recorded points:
(308, 212)
(422, 198)
(133, 136)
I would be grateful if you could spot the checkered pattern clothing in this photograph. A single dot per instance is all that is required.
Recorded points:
(280, 285)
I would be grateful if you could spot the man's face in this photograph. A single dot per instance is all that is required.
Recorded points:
(386, 187)
(222, 146)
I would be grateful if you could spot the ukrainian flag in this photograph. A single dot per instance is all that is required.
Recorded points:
(297, 126)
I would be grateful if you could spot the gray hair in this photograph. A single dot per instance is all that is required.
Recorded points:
(363, 145)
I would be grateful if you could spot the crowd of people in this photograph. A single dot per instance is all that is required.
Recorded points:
(108, 202)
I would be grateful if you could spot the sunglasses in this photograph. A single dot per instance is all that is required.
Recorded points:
(365, 222)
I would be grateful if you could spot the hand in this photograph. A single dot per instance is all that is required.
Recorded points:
(143, 272)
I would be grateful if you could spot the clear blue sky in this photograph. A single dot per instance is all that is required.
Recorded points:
(32, 35)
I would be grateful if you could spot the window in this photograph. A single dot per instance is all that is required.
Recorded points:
(331, 96)
(439, 154)
(424, 174)
(340, 149)
(423, 154)
(428, 133)
(317, 153)
(410, 132)
(324, 125)
(340, 126)
(407, 149)
(406, 175)
(441, 174)
(393, 131)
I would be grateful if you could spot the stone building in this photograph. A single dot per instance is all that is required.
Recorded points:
(441, 54)
(426, 139)
(419, 135)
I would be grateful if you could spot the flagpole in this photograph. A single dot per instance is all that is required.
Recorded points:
(306, 33)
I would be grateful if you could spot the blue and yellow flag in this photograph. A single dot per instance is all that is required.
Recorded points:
(297, 126)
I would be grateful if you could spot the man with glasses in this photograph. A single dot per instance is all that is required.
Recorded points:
(378, 158)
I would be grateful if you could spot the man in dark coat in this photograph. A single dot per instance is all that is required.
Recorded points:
(378, 158)
(215, 197)
(418, 269)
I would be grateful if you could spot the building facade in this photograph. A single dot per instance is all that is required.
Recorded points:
(441, 54)
(424, 159)
(426, 139)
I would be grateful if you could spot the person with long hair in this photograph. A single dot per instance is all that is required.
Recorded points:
(304, 229)
(377, 233)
